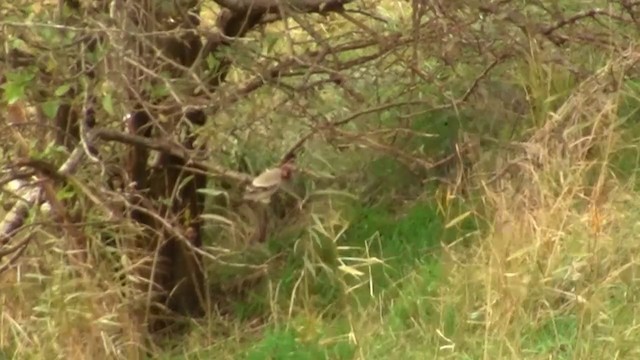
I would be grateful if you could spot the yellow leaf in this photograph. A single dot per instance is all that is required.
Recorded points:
(457, 219)
(351, 271)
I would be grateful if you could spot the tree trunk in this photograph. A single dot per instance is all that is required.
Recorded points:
(172, 271)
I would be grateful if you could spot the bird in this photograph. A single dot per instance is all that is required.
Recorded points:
(263, 186)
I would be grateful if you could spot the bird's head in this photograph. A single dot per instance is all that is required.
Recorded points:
(286, 171)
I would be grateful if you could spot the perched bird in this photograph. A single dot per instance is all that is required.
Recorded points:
(266, 184)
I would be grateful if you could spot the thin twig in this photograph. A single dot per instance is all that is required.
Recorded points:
(12, 260)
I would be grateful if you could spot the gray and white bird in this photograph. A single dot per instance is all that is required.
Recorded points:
(268, 183)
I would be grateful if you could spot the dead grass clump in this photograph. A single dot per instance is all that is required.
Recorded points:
(562, 244)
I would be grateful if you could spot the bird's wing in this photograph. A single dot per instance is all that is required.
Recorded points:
(260, 198)
(269, 178)
(264, 186)
(259, 194)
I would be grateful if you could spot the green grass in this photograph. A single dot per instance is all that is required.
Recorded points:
(408, 240)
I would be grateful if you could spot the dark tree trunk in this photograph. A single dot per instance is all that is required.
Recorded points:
(174, 269)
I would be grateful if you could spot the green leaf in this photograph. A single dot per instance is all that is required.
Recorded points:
(65, 193)
(17, 43)
(22, 76)
(63, 89)
(159, 91)
(50, 108)
(13, 91)
(107, 104)
(48, 34)
(16, 84)
(271, 39)
(212, 62)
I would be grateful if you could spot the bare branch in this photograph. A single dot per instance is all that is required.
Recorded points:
(291, 153)
(16, 216)
(171, 149)
(303, 6)
(592, 13)
(19, 250)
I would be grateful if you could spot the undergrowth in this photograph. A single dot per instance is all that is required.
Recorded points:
(524, 247)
